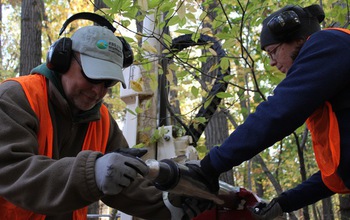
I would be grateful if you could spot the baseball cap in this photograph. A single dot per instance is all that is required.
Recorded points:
(290, 23)
(101, 53)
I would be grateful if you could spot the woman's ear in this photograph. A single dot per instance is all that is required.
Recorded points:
(300, 42)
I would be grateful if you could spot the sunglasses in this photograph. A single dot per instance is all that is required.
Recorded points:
(107, 83)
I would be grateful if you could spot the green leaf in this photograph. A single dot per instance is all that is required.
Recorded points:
(138, 110)
(200, 120)
(154, 3)
(224, 95)
(147, 66)
(194, 91)
(228, 78)
(184, 31)
(181, 74)
(174, 20)
(167, 39)
(140, 145)
(130, 111)
(224, 63)
(208, 101)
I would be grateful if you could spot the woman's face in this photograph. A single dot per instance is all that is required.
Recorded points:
(282, 55)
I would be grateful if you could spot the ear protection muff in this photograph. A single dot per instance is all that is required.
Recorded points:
(284, 22)
(59, 55)
(289, 21)
(60, 52)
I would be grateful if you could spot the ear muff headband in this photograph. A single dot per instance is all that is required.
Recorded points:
(60, 53)
(102, 21)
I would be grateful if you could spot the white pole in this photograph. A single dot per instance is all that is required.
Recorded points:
(129, 96)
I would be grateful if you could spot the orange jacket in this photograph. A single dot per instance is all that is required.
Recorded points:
(35, 88)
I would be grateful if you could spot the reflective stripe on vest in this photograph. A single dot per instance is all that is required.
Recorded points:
(323, 125)
(34, 86)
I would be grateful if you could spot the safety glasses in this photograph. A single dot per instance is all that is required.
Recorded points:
(272, 53)
(107, 83)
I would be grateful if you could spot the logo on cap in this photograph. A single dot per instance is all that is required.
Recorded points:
(102, 44)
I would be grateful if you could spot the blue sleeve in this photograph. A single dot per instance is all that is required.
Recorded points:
(318, 74)
(306, 193)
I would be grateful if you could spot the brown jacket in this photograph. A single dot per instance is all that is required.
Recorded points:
(55, 187)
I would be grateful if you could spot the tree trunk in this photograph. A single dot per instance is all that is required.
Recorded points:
(217, 128)
(327, 209)
(301, 147)
(31, 24)
(216, 132)
(315, 211)
(344, 206)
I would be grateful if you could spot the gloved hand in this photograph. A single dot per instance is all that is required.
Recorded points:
(136, 152)
(114, 172)
(185, 208)
(211, 181)
(269, 212)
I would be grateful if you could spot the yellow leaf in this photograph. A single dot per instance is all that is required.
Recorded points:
(143, 4)
(144, 138)
(169, 75)
(181, 10)
(138, 36)
(212, 68)
(146, 46)
(136, 86)
(203, 15)
(206, 31)
(213, 52)
(172, 67)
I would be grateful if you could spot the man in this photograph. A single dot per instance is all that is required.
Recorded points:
(316, 89)
(55, 129)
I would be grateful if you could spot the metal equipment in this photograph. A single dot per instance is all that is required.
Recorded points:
(170, 176)
(232, 202)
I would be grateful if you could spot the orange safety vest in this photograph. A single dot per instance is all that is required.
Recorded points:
(323, 125)
(324, 129)
(96, 138)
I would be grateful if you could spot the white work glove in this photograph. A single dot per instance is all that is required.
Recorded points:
(115, 171)
(269, 212)
(185, 208)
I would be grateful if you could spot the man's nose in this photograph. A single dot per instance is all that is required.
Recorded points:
(99, 89)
